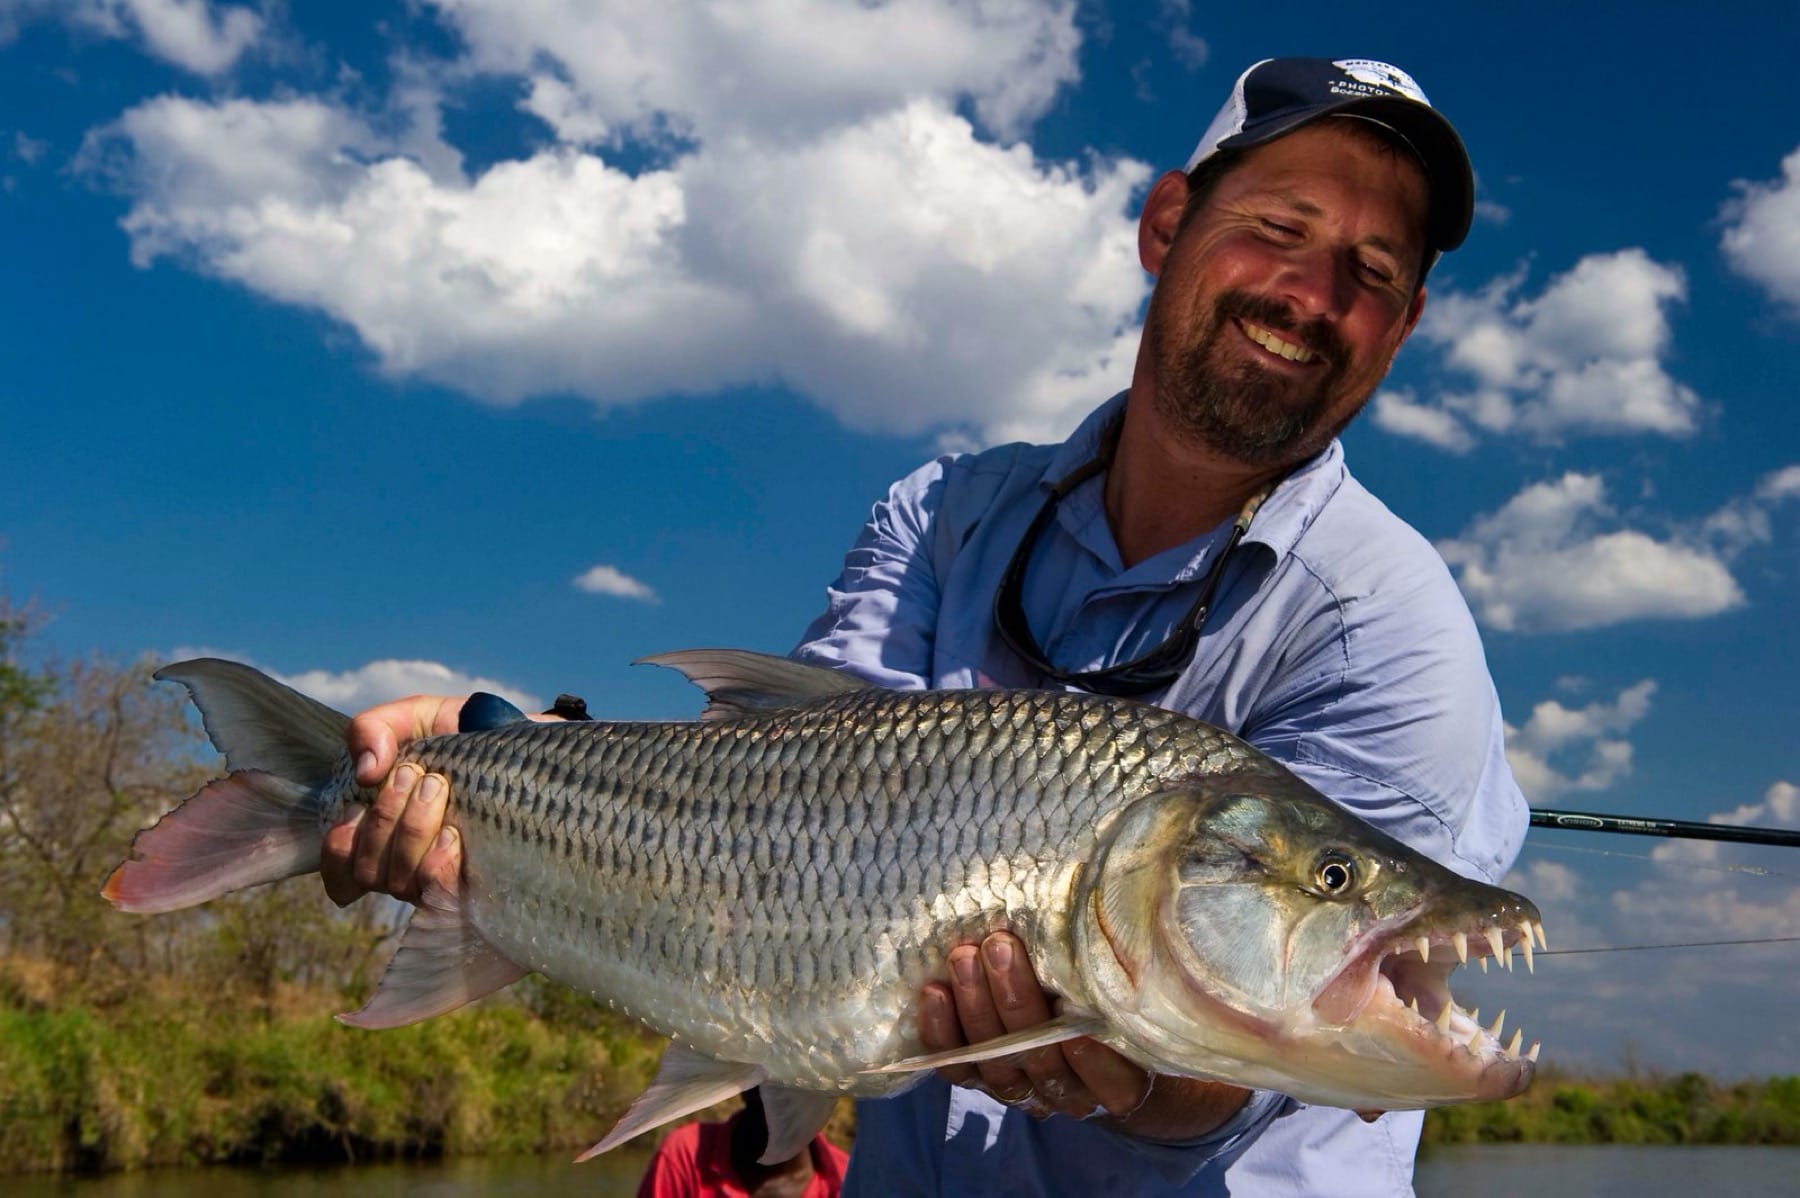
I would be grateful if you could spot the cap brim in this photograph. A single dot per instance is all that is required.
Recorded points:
(1433, 138)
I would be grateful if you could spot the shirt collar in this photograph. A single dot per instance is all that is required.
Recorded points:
(1283, 519)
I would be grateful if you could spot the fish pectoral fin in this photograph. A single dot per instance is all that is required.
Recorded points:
(442, 963)
(1067, 1026)
(794, 1118)
(686, 1082)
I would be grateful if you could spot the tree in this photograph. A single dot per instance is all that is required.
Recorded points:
(90, 752)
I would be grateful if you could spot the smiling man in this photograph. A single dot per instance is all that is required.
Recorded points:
(1198, 543)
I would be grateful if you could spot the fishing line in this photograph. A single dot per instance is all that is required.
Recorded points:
(1638, 948)
(1758, 871)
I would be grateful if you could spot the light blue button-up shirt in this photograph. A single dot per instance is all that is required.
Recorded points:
(1337, 643)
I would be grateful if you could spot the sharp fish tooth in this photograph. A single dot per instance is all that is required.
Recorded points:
(1495, 940)
(1424, 946)
(1525, 944)
(1474, 1040)
(1443, 1019)
(1512, 1047)
(1533, 1054)
(1542, 943)
(1475, 1016)
(1412, 1004)
(1498, 1020)
(1506, 959)
(1461, 941)
(1482, 961)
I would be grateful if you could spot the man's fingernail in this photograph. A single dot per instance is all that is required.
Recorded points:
(365, 763)
(353, 815)
(963, 966)
(407, 777)
(433, 788)
(999, 953)
(447, 838)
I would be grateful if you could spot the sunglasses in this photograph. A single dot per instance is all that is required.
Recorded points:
(1146, 672)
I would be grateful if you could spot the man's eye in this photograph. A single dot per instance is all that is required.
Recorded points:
(1278, 229)
(1376, 273)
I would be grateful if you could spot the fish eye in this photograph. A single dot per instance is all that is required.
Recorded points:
(1335, 873)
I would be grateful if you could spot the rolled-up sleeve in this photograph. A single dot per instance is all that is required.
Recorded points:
(881, 613)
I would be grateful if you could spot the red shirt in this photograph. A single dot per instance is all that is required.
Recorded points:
(695, 1162)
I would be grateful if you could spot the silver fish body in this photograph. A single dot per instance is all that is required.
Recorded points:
(777, 889)
(771, 886)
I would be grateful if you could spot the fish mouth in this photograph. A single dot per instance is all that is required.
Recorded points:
(1397, 986)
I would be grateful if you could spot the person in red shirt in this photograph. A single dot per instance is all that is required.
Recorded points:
(718, 1160)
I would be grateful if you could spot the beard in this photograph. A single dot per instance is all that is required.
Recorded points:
(1236, 407)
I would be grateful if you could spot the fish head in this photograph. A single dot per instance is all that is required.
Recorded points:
(1247, 928)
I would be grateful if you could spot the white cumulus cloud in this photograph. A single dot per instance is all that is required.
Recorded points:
(1400, 412)
(901, 271)
(195, 35)
(1761, 238)
(351, 691)
(1584, 356)
(610, 580)
(1544, 562)
(772, 71)
(1561, 749)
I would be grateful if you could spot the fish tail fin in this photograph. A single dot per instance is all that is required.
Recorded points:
(260, 824)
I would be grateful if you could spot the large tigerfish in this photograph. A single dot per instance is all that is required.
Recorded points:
(771, 886)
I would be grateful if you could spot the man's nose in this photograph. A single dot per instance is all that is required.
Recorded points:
(1316, 283)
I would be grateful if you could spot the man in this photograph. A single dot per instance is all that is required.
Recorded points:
(1199, 543)
(723, 1160)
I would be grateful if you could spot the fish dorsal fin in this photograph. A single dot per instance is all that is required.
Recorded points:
(740, 683)
(260, 724)
(1066, 1026)
(686, 1082)
(794, 1118)
(482, 711)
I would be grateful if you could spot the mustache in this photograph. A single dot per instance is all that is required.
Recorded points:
(1317, 335)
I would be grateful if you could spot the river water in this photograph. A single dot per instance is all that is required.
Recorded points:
(1510, 1171)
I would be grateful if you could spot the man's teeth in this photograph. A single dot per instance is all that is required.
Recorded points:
(1275, 345)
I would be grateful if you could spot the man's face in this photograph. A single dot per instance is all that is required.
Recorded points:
(1281, 303)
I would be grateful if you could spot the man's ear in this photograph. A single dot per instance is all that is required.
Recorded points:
(1418, 310)
(1412, 322)
(1160, 219)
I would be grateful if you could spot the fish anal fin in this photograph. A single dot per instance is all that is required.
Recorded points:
(1067, 1026)
(794, 1118)
(442, 963)
(740, 683)
(686, 1082)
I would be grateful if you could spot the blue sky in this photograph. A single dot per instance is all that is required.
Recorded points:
(412, 346)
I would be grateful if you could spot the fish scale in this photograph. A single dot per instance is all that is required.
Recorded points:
(599, 845)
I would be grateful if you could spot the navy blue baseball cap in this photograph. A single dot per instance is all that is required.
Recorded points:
(1279, 95)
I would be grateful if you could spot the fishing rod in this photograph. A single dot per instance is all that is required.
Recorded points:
(1677, 829)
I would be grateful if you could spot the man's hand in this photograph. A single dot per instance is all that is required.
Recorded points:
(993, 990)
(399, 843)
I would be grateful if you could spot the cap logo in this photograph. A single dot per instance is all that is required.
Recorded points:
(1375, 75)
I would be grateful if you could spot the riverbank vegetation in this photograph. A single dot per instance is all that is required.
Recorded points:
(205, 1036)
(1642, 1108)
